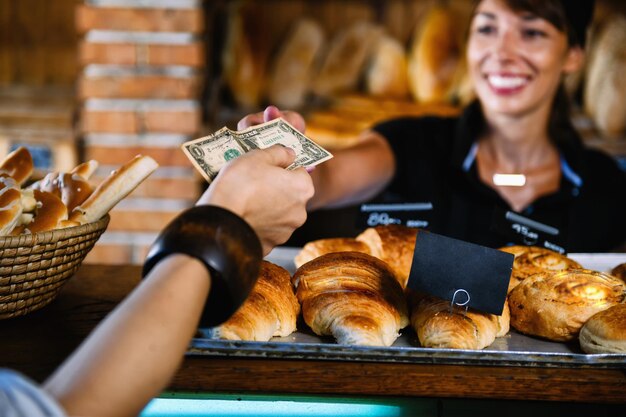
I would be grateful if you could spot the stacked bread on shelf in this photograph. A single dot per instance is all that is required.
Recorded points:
(61, 199)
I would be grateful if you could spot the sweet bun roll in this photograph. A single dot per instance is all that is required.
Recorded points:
(113, 189)
(321, 247)
(353, 297)
(605, 332)
(18, 165)
(620, 272)
(270, 310)
(556, 305)
(10, 205)
(49, 213)
(72, 189)
(537, 260)
(438, 326)
(393, 244)
(86, 169)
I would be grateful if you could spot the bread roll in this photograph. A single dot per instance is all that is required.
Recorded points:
(292, 69)
(113, 189)
(387, 72)
(49, 213)
(270, 310)
(437, 326)
(321, 247)
(605, 332)
(393, 244)
(18, 165)
(346, 58)
(530, 260)
(435, 63)
(72, 189)
(620, 272)
(556, 305)
(86, 169)
(353, 297)
(10, 205)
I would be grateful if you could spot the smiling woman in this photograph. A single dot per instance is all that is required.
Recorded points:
(518, 53)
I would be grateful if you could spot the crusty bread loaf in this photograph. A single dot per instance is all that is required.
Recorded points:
(270, 310)
(394, 244)
(353, 297)
(435, 63)
(49, 213)
(18, 165)
(439, 326)
(321, 247)
(293, 67)
(556, 305)
(530, 260)
(10, 205)
(605, 332)
(620, 272)
(346, 58)
(114, 188)
(386, 75)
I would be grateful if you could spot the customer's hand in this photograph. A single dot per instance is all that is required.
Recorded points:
(271, 113)
(257, 187)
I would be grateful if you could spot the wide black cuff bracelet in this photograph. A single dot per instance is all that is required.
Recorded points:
(228, 247)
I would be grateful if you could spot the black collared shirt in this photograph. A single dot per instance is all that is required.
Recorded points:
(435, 160)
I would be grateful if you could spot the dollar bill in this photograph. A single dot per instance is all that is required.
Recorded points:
(210, 153)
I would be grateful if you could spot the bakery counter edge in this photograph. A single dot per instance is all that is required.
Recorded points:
(37, 343)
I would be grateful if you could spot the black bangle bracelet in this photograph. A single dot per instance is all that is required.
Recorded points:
(225, 244)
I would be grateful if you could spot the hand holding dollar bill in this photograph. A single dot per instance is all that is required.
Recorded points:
(210, 153)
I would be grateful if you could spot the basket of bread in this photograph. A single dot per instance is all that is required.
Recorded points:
(48, 226)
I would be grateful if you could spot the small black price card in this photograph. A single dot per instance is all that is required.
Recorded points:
(524, 231)
(442, 266)
(406, 214)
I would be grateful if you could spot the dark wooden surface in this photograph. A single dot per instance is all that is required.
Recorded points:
(37, 343)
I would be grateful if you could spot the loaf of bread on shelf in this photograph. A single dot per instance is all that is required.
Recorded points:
(113, 189)
(18, 165)
(394, 244)
(605, 86)
(386, 75)
(320, 247)
(605, 332)
(292, 70)
(436, 55)
(555, 305)
(353, 297)
(344, 62)
(530, 260)
(439, 326)
(270, 310)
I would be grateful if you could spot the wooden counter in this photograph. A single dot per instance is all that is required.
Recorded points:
(37, 343)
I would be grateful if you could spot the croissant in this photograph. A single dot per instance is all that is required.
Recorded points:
(437, 326)
(605, 332)
(321, 247)
(556, 305)
(393, 244)
(270, 310)
(531, 260)
(353, 297)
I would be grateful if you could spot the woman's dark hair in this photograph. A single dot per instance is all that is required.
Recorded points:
(571, 18)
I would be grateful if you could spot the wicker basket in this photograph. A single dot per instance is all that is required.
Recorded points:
(34, 267)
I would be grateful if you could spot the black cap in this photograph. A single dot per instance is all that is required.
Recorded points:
(579, 14)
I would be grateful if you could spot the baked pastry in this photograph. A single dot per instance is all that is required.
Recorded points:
(556, 305)
(353, 297)
(270, 310)
(605, 332)
(49, 213)
(386, 75)
(620, 272)
(18, 165)
(10, 204)
(530, 260)
(393, 244)
(113, 189)
(321, 247)
(439, 326)
(292, 69)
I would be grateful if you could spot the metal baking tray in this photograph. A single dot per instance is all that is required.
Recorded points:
(515, 349)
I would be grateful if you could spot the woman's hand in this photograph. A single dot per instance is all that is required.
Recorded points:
(257, 187)
(271, 113)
